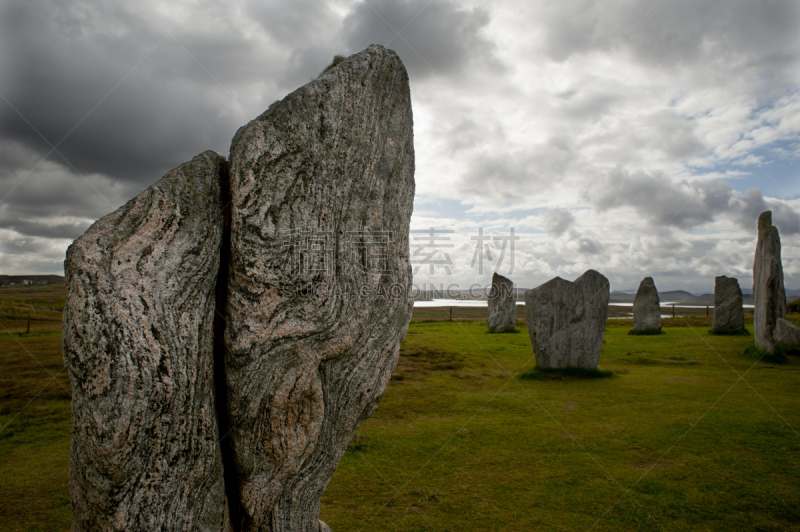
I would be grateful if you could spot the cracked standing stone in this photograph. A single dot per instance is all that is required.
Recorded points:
(322, 189)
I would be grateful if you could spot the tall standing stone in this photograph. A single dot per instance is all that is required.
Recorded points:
(769, 295)
(567, 321)
(728, 310)
(322, 189)
(138, 343)
(646, 308)
(502, 312)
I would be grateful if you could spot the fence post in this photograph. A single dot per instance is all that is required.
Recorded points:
(451, 313)
(673, 311)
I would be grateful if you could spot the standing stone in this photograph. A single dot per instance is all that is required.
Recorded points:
(322, 189)
(769, 295)
(728, 310)
(138, 345)
(646, 308)
(787, 334)
(567, 321)
(502, 315)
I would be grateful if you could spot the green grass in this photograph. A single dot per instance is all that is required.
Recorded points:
(336, 60)
(475, 449)
(690, 434)
(34, 433)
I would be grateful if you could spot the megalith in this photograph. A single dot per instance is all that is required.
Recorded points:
(567, 321)
(728, 310)
(769, 295)
(787, 335)
(646, 308)
(502, 312)
(138, 334)
(322, 189)
(227, 330)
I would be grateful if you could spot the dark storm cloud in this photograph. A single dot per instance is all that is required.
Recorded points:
(48, 200)
(514, 173)
(293, 24)
(589, 246)
(467, 134)
(752, 203)
(557, 222)
(436, 38)
(69, 231)
(656, 199)
(664, 203)
(676, 32)
(307, 29)
(24, 246)
(61, 63)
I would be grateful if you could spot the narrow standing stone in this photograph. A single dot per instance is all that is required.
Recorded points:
(567, 321)
(728, 310)
(322, 189)
(768, 292)
(502, 312)
(646, 307)
(138, 344)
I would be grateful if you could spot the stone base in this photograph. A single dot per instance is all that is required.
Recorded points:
(646, 332)
(507, 331)
(740, 332)
(777, 357)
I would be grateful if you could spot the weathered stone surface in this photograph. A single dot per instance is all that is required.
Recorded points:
(787, 333)
(646, 307)
(138, 344)
(322, 189)
(567, 321)
(502, 314)
(728, 310)
(769, 295)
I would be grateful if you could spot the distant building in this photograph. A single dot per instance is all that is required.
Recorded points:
(27, 281)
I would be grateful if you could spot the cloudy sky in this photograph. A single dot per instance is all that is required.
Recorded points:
(633, 137)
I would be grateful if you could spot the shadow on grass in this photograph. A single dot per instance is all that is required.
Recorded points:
(34, 334)
(778, 357)
(539, 374)
(743, 332)
(644, 359)
(646, 332)
(788, 349)
(509, 331)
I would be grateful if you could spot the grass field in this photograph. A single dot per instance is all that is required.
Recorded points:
(688, 434)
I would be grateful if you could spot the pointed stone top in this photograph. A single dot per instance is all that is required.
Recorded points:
(765, 220)
(497, 278)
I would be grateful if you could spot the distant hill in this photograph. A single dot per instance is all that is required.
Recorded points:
(683, 297)
(18, 279)
(675, 295)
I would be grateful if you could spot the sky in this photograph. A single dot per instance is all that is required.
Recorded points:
(636, 138)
